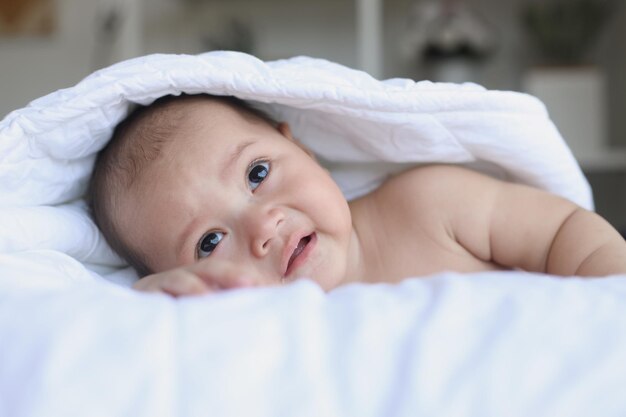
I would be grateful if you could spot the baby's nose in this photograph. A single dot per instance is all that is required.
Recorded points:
(263, 229)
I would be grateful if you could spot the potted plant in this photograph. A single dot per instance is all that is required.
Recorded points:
(565, 30)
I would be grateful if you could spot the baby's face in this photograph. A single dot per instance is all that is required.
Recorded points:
(229, 188)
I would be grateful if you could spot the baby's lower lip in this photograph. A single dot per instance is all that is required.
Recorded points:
(303, 256)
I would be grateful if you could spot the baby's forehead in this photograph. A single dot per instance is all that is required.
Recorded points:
(179, 110)
(205, 123)
(179, 119)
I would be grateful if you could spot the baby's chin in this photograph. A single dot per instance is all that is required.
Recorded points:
(327, 282)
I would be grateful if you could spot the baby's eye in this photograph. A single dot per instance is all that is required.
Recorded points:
(257, 172)
(208, 243)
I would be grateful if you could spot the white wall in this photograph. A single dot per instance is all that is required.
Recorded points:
(32, 67)
(282, 28)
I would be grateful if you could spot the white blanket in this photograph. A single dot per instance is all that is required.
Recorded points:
(483, 344)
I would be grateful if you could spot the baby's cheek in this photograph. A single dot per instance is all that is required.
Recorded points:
(330, 268)
(332, 205)
(260, 276)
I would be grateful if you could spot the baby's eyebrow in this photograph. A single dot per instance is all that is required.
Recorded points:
(229, 162)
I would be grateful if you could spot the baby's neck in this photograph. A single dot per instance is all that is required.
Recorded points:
(365, 260)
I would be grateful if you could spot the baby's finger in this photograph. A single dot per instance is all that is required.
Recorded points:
(224, 275)
(185, 283)
(147, 284)
(175, 283)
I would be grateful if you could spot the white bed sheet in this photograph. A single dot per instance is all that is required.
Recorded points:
(486, 344)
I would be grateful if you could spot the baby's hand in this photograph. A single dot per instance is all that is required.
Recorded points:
(198, 278)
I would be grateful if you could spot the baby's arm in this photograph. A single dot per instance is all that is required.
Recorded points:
(196, 279)
(522, 227)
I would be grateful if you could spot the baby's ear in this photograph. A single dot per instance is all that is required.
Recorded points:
(285, 130)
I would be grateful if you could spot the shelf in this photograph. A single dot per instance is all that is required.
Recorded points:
(608, 160)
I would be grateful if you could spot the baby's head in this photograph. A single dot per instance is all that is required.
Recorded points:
(195, 177)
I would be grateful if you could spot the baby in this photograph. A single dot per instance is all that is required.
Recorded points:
(203, 193)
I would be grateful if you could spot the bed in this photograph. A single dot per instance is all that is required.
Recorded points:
(76, 340)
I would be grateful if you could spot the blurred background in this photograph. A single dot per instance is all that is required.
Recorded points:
(570, 53)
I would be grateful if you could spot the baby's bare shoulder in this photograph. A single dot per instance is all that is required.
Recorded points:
(435, 184)
(437, 172)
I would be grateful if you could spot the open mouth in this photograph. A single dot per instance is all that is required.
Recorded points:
(300, 253)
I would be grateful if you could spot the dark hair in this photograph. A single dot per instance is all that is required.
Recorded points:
(136, 141)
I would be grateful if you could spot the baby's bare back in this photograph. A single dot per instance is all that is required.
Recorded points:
(447, 218)
(404, 228)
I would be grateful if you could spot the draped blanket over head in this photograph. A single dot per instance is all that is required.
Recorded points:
(476, 344)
